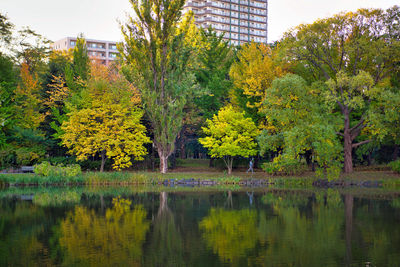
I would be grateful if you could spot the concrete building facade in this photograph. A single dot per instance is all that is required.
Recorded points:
(103, 51)
(241, 21)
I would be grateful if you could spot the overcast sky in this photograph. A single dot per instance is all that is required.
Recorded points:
(97, 19)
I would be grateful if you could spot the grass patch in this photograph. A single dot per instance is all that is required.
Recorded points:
(111, 178)
(384, 178)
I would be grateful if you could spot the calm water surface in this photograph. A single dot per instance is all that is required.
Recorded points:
(86, 227)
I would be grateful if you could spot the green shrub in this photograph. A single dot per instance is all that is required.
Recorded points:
(284, 166)
(395, 166)
(46, 169)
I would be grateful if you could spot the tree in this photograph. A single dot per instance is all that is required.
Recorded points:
(108, 122)
(215, 60)
(81, 62)
(5, 30)
(211, 67)
(384, 118)
(27, 100)
(252, 75)
(298, 123)
(157, 60)
(32, 49)
(8, 82)
(339, 48)
(230, 134)
(353, 95)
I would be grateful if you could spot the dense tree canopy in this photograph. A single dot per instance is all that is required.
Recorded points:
(252, 75)
(298, 124)
(320, 94)
(354, 51)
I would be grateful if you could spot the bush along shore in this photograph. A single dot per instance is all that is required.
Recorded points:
(371, 179)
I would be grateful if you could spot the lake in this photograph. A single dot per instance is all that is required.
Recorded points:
(117, 226)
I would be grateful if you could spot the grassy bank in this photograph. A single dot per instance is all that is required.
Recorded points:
(381, 178)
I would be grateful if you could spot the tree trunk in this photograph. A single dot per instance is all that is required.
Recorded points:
(256, 162)
(369, 158)
(103, 160)
(229, 170)
(182, 145)
(308, 157)
(396, 152)
(347, 148)
(348, 157)
(163, 161)
(228, 162)
(153, 157)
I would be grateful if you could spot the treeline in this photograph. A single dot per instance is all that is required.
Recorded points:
(325, 96)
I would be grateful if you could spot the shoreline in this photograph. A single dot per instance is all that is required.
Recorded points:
(375, 179)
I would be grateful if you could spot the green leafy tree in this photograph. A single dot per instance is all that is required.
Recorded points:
(157, 59)
(215, 60)
(230, 134)
(346, 49)
(81, 62)
(8, 82)
(353, 95)
(54, 94)
(384, 117)
(299, 123)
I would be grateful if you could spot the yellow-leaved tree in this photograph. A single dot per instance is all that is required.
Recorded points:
(109, 122)
(252, 75)
(230, 134)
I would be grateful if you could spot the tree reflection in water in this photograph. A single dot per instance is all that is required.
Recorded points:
(230, 233)
(280, 228)
(114, 239)
(165, 245)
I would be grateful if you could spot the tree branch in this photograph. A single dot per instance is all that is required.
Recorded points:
(360, 143)
(362, 120)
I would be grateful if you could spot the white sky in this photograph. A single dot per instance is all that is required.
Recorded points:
(97, 19)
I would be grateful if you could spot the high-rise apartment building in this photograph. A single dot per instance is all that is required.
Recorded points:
(241, 21)
(103, 51)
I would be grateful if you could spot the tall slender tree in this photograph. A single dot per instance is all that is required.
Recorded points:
(157, 60)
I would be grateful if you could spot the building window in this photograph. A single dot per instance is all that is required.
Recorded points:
(73, 43)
